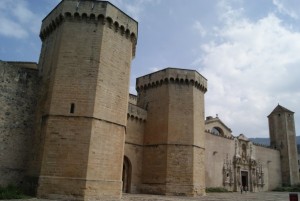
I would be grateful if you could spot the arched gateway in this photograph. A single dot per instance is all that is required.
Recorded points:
(126, 175)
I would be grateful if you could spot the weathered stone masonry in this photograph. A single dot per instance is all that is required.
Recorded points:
(85, 64)
(174, 140)
(18, 98)
(91, 141)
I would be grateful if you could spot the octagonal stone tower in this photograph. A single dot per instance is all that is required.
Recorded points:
(174, 139)
(84, 65)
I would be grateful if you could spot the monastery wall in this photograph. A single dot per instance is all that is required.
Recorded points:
(132, 99)
(136, 119)
(18, 92)
(90, 139)
(155, 156)
(217, 149)
(220, 149)
(134, 153)
(270, 160)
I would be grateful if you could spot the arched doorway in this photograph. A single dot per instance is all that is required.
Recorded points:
(126, 175)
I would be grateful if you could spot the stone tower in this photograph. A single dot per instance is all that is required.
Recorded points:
(173, 161)
(81, 121)
(283, 138)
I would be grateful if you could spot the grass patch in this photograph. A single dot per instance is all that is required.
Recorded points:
(216, 190)
(294, 188)
(12, 192)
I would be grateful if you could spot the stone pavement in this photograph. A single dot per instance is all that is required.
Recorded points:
(261, 196)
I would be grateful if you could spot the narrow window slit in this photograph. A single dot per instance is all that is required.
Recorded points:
(72, 109)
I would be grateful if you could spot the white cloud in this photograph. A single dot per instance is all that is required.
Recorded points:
(199, 28)
(250, 67)
(18, 20)
(12, 29)
(134, 8)
(154, 69)
(227, 14)
(290, 8)
(22, 13)
(132, 89)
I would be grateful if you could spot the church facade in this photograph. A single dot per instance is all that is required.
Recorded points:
(69, 128)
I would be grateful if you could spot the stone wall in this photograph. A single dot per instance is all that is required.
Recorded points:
(270, 160)
(132, 99)
(217, 149)
(220, 150)
(134, 151)
(18, 93)
(85, 128)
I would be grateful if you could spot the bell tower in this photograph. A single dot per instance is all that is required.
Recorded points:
(87, 48)
(283, 138)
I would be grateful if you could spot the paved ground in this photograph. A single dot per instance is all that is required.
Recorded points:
(262, 196)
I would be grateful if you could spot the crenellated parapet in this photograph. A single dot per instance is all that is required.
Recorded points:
(172, 76)
(133, 99)
(23, 64)
(262, 145)
(216, 134)
(98, 12)
(136, 112)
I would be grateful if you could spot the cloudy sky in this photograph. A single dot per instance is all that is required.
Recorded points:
(248, 50)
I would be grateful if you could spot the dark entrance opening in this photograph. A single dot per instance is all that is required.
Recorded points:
(126, 175)
(244, 178)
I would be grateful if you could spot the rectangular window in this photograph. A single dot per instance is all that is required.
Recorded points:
(72, 109)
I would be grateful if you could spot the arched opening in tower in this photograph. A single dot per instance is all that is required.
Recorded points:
(126, 175)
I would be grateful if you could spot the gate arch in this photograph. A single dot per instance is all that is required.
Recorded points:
(126, 175)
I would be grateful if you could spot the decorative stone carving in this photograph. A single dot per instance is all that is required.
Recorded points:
(248, 172)
(228, 176)
(259, 175)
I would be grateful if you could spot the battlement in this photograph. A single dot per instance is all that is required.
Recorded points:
(262, 145)
(133, 99)
(136, 112)
(172, 75)
(216, 134)
(22, 64)
(102, 12)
